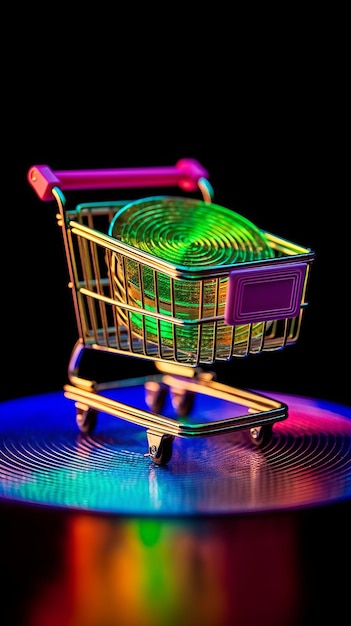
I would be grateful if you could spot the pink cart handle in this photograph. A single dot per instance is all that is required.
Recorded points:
(184, 174)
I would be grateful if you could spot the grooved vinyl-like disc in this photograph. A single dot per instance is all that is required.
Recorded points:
(190, 233)
(44, 459)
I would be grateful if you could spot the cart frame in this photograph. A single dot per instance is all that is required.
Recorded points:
(89, 253)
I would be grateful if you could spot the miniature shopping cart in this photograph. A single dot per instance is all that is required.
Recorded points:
(176, 281)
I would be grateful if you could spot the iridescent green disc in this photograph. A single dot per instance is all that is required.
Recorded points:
(190, 234)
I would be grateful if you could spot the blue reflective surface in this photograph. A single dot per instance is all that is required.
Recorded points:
(45, 460)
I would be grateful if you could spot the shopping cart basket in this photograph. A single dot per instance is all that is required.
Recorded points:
(181, 282)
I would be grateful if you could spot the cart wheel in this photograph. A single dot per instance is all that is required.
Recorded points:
(182, 401)
(261, 435)
(86, 419)
(155, 395)
(160, 448)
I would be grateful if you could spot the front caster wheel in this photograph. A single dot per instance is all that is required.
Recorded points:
(86, 419)
(261, 435)
(160, 447)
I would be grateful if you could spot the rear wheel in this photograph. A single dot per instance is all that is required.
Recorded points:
(86, 419)
(155, 395)
(182, 401)
(261, 435)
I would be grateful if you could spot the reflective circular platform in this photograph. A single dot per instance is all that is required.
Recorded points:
(44, 459)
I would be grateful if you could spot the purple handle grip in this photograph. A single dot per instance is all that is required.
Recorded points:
(184, 174)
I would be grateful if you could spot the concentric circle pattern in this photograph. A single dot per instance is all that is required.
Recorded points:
(190, 233)
(45, 460)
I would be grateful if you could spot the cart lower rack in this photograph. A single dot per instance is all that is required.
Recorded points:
(180, 282)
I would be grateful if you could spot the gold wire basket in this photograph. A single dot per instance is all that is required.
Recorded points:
(135, 300)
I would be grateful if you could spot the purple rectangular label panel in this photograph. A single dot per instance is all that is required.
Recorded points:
(260, 294)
